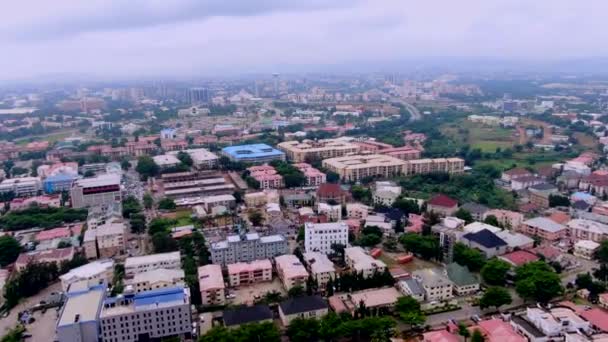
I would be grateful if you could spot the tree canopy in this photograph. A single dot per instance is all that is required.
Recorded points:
(537, 281)
(470, 257)
(495, 296)
(146, 167)
(9, 250)
(494, 272)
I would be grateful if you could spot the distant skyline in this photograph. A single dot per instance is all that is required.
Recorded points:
(180, 38)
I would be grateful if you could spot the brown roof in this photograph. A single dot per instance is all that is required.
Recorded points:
(329, 190)
(443, 201)
(559, 217)
(517, 171)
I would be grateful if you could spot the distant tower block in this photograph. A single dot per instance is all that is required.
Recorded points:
(275, 78)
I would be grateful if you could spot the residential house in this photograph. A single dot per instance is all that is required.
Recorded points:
(544, 228)
(464, 282)
(302, 307)
(442, 205)
(486, 241)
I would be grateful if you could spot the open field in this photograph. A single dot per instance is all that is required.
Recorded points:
(533, 159)
(486, 138)
(51, 137)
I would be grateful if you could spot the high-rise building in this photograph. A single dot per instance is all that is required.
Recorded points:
(198, 95)
(275, 79)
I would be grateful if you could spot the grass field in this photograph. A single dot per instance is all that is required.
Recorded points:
(534, 159)
(51, 137)
(480, 136)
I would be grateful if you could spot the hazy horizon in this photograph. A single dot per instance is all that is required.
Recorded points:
(184, 38)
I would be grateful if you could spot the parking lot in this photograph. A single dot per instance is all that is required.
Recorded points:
(248, 294)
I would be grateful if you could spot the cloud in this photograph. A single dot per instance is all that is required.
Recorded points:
(61, 18)
(116, 38)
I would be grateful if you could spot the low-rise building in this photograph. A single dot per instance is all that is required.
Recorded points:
(486, 241)
(291, 271)
(585, 249)
(211, 284)
(442, 205)
(166, 161)
(146, 263)
(412, 287)
(244, 273)
(56, 256)
(201, 158)
(356, 167)
(235, 317)
(156, 279)
(464, 282)
(105, 241)
(360, 262)
(320, 267)
(544, 228)
(151, 315)
(247, 247)
(310, 150)
(79, 316)
(507, 218)
(22, 186)
(357, 210)
(332, 212)
(437, 287)
(93, 273)
(302, 307)
(386, 193)
(582, 229)
(314, 177)
(254, 153)
(540, 193)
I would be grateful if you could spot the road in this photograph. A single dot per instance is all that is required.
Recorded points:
(415, 114)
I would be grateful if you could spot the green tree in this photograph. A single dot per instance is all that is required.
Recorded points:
(464, 215)
(148, 201)
(470, 257)
(409, 311)
(163, 243)
(558, 201)
(494, 272)
(130, 205)
(296, 291)
(125, 164)
(166, 204)
(9, 250)
(492, 220)
(146, 167)
(332, 177)
(303, 330)
(601, 254)
(495, 296)
(426, 247)
(537, 281)
(185, 158)
(463, 331)
(138, 223)
(477, 336)
(256, 218)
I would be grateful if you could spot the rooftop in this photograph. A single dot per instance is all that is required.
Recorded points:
(376, 297)
(88, 270)
(249, 266)
(151, 259)
(319, 262)
(460, 275)
(485, 238)
(518, 258)
(158, 275)
(291, 266)
(545, 224)
(252, 151)
(247, 314)
(82, 307)
(303, 304)
(443, 201)
(101, 180)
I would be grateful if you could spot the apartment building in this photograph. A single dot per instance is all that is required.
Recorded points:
(544, 228)
(314, 177)
(105, 241)
(309, 150)
(244, 273)
(211, 284)
(360, 262)
(100, 190)
(424, 166)
(582, 229)
(211, 202)
(201, 158)
(22, 187)
(291, 271)
(585, 249)
(267, 176)
(56, 256)
(93, 273)
(156, 279)
(403, 153)
(332, 212)
(320, 267)
(247, 247)
(146, 316)
(437, 287)
(356, 167)
(357, 210)
(319, 237)
(146, 263)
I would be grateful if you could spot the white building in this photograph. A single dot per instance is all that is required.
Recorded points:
(357, 210)
(333, 212)
(436, 286)
(582, 229)
(101, 190)
(361, 262)
(585, 249)
(149, 315)
(166, 160)
(79, 317)
(320, 267)
(156, 279)
(22, 187)
(146, 263)
(93, 273)
(319, 237)
(201, 157)
(386, 193)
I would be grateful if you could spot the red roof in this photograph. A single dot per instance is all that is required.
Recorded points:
(597, 317)
(56, 233)
(519, 258)
(329, 190)
(443, 201)
(518, 171)
(549, 252)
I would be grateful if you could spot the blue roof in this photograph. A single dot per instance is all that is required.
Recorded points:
(485, 238)
(59, 177)
(164, 295)
(252, 151)
(582, 195)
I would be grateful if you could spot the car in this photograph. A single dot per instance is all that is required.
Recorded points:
(475, 318)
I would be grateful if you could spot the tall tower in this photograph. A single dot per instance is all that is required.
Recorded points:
(198, 95)
(275, 78)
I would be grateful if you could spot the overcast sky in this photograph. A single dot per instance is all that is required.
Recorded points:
(181, 37)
